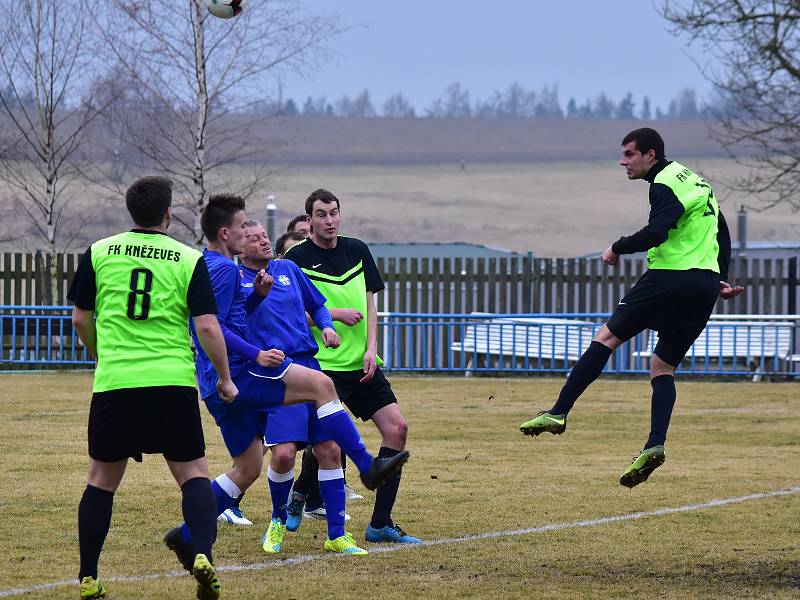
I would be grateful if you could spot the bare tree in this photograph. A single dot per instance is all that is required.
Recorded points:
(188, 80)
(756, 44)
(397, 106)
(45, 59)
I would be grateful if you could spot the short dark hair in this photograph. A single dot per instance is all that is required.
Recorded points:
(295, 221)
(148, 199)
(646, 139)
(218, 213)
(323, 195)
(280, 245)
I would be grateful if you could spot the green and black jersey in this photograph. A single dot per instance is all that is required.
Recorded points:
(143, 286)
(344, 275)
(686, 229)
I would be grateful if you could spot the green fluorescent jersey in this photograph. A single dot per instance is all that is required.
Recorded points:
(692, 244)
(142, 311)
(343, 275)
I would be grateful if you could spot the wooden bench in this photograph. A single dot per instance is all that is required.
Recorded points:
(751, 341)
(552, 342)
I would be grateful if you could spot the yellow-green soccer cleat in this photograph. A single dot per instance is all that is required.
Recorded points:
(273, 538)
(206, 576)
(641, 467)
(344, 544)
(92, 588)
(544, 421)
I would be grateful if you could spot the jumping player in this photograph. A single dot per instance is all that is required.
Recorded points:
(688, 251)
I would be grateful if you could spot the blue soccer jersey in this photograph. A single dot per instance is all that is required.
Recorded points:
(280, 320)
(226, 279)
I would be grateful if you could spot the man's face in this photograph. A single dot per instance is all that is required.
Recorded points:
(233, 236)
(636, 164)
(325, 220)
(303, 228)
(257, 246)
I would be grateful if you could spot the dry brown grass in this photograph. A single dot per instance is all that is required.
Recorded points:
(471, 472)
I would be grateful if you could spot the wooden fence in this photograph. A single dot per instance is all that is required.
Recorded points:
(498, 285)
(559, 285)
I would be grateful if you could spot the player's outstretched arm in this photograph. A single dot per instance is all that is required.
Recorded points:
(83, 321)
(210, 337)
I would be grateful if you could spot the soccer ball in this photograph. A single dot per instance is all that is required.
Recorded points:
(224, 9)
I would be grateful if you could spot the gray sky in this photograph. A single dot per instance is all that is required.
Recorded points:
(421, 46)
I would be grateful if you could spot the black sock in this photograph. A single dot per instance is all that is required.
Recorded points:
(94, 519)
(585, 371)
(661, 409)
(200, 514)
(385, 495)
(308, 481)
(238, 501)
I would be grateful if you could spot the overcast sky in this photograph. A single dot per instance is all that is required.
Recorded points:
(418, 47)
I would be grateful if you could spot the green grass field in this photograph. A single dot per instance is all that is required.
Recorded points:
(471, 473)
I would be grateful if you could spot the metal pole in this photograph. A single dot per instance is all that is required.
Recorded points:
(742, 228)
(272, 211)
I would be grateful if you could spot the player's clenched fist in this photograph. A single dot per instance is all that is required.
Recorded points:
(270, 358)
(227, 390)
(263, 283)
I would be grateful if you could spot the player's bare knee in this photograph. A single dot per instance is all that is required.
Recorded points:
(328, 454)
(605, 337)
(324, 390)
(658, 368)
(395, 433)
(282, 459)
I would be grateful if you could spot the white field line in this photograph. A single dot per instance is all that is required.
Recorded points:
(717, 502)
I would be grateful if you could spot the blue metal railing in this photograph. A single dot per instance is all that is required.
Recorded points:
(751, 345)
(40, 336)
(43, 337)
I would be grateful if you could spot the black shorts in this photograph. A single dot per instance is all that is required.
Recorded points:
(363, 399)
(150, 420)
(676, 304)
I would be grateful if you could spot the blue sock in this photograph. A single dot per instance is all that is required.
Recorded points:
(225, 492)
(331, 486)
(280, 484)
(338, 425)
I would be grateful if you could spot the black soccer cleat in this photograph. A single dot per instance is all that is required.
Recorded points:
(182, 549)
(383, 469)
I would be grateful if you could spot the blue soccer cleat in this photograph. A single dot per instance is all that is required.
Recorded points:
(294, 511)
(390, 533)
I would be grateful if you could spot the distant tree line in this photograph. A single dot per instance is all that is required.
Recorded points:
(514, 102)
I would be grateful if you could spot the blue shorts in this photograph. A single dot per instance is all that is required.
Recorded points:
(261, 392)
(296, 423)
